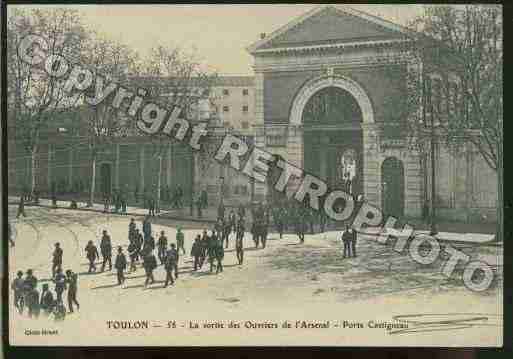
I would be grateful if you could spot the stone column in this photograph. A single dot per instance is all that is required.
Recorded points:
(141, 169)
(371, 165)
(259, 188)
(116, 176)
(70, 168)
(294, 155)
(413, 196)
(50, 164)
(169, 164)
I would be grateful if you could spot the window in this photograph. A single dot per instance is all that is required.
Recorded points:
(245, 109)
(276, 141)
(240, 190)
(245, 125)
(226, 109)
(226, 92)
(245, 92)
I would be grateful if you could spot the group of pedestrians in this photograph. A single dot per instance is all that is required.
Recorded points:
(27, 296)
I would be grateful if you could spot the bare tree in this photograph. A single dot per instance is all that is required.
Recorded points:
(34, 95)
(455, 96)
(109, 61)
(176, 77)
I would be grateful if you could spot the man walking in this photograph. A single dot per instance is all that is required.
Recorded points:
(21, 209)
(239, 245)
(162, 247)
(17, 287)
(106, 250)
(149, 264)
(171, 265)
(353, 242)
(346, 240)
(120, 265)
(219, 253)
(47, 302)
(60, 283)
(57, 259)
(196, 251)
(146, 227)
(92, 255)
(180, 240)
(72, 280)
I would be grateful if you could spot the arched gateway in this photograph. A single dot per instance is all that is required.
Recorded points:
(331, 111)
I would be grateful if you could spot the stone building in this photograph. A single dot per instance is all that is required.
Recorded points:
(322, 90)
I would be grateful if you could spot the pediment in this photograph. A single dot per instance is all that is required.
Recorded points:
(331, 25)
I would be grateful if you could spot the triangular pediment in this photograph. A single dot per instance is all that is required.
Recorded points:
(331, 25)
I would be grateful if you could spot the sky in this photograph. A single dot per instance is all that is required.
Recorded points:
(219, 33)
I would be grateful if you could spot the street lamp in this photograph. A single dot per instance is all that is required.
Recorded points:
(221, 190)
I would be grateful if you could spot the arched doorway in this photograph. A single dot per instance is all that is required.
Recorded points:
(105, 178)
(392, 175)
(333, 141)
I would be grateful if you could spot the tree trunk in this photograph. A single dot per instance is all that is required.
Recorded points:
(93, 181)
(500, 196)
(33, 154)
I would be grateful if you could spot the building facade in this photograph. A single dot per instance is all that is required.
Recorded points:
(321, 91)
(324, 89)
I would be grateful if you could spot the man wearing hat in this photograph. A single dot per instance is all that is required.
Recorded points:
(180, 240)
(60, 283)
(171, 265)
(92, 255)
(162, 247)
(17, 287)
(120, 265)
(106, 250)
(57, 258)
(72, 279)
(47, 301)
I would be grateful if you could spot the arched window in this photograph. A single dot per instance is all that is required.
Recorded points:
(332, 105)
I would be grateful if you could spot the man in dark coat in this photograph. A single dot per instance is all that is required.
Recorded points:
(120, 265)
(353, 242)
(346, 240)
(21, 208)
(162, 247)
(171, 265)
(180, 240)
(212, 250)
(239, 243)
(241, 211)
(204, 247)
(60, 283)
(227, 227)
(17, 287)
(131, 230)
(146, 227)
(220, 211)
(106, 250)
(149, 264)
(196, 252)
(92, 255)
(72, 281)
(232, 218)
(47, 303)
(57, 259)
(133, 253)
(138, 244)
(219, 254)
(33, 303)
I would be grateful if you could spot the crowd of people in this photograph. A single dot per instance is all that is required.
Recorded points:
(27, 296)
(208, 247)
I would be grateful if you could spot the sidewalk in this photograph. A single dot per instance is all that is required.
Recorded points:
(209, 215)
